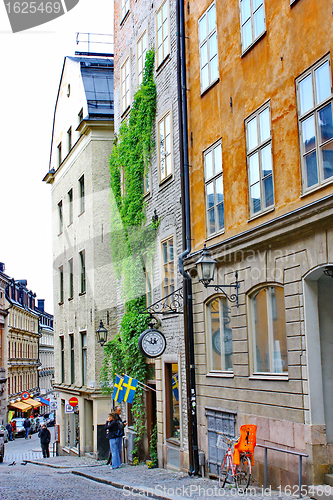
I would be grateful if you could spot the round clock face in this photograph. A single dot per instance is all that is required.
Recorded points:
(152, 343)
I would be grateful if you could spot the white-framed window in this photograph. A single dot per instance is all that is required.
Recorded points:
(125, 85)
(162, 33)
(81, 195)
(268, 331)
(214, 189)
(259, 160)
(164, 146)
(141, 49)
(60, 218)
(82, 256)
(314, 103)
(59, 153)
(70, 279)
(125, 5)
(69, 138)
(168, 269)
(70, 206)
(84, 357)
(61, 284)
(219, 336)
(209, 66)
(146, 179)
(253, 22)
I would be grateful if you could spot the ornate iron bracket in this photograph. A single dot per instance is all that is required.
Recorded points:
(170, 304)
(220, 288)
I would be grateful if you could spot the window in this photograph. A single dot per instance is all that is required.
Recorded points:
(168, 261)
(72, 357)
(71, 279)
(209, 69)
(219, 336)
(60, 217)
(84, 357)
(81, 194)
(125, 86)
(269, 340)
(80, 115)
(162, 33)
(259, 160)
(141, 49)
(69, 138)
(253, 23)
(214, 189)
(164, 146)
(83, 272)
(172, 392)
(59, 154)
(314, 98)
(61, 285)
(148, 284)
(124, 8)
(70, 206)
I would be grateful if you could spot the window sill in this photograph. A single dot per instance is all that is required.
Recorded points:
(269, 376)
(124, 19)
(292, 2)
(211, 85)
(74, 450)
(70, 299)
(260, 214)
(215, 235)
(165, 180)
(61, 303)
(253, 43)
(220, 374)
(163, 63)
(173, 441)
(81, 213)
(146, 195)
(82, 293)
(69, 225)
(66, 450)
(311, 190)
(59, 234)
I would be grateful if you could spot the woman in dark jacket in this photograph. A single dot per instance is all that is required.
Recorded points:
(112, 432)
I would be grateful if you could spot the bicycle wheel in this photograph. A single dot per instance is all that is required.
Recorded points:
(225, 474)
(243, 473)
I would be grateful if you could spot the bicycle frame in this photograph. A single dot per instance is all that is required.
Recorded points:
(240, 474)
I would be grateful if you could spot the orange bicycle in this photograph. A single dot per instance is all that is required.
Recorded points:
(237, 465)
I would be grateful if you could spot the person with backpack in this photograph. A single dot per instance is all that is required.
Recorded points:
(26, 425)
(112, 434)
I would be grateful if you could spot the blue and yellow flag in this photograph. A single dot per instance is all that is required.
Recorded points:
(129, 388)
(118, 393)
(175, 388)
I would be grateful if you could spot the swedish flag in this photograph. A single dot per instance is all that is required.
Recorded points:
(175, 388)
(118, 393)
(129, 388)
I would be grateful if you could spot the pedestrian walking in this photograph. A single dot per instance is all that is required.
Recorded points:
(10, 431)
(27, 425)
(112, 434)
(14, 428)
(121, 428)
(45, 438)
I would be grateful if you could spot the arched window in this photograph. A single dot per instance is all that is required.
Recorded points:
(219, 335)
(268, 325)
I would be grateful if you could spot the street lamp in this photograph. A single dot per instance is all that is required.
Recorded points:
(206, 268)
(329, 271)
(101, 334)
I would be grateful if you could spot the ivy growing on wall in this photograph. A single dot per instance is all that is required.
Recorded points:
(132, 239)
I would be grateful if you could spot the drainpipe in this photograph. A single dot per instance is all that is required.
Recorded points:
(186, 220)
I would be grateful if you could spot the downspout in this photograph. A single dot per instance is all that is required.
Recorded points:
(186, 219)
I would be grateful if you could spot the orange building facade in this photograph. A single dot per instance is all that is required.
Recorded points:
(261, 155)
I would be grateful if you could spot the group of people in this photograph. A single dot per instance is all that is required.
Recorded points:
(44, 435)
(114, 432)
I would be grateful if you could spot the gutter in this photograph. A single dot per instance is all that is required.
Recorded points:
(186, 229)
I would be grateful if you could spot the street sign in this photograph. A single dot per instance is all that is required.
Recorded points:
(54, 405)
(25, 395)
(73, 402)
(69, 408)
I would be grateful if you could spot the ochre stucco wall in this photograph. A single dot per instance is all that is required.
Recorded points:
(296, 38)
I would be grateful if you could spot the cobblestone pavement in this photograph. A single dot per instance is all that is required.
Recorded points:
(131, 482)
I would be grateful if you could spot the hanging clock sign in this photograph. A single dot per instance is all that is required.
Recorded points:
(152, 343)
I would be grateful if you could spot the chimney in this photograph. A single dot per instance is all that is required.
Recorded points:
(40, 304)
(2, 267)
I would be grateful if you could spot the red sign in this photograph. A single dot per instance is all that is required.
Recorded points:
(73, 402)
(25, 395)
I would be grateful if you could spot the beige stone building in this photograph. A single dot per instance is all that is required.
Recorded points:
(4, 281)
(83, 281)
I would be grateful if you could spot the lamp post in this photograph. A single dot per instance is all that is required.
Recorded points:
(101, 334)
(206, 269)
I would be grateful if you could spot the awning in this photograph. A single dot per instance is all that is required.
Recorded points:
(19, 405)
(32, 402)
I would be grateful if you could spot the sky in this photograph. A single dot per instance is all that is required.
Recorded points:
(31, 64)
